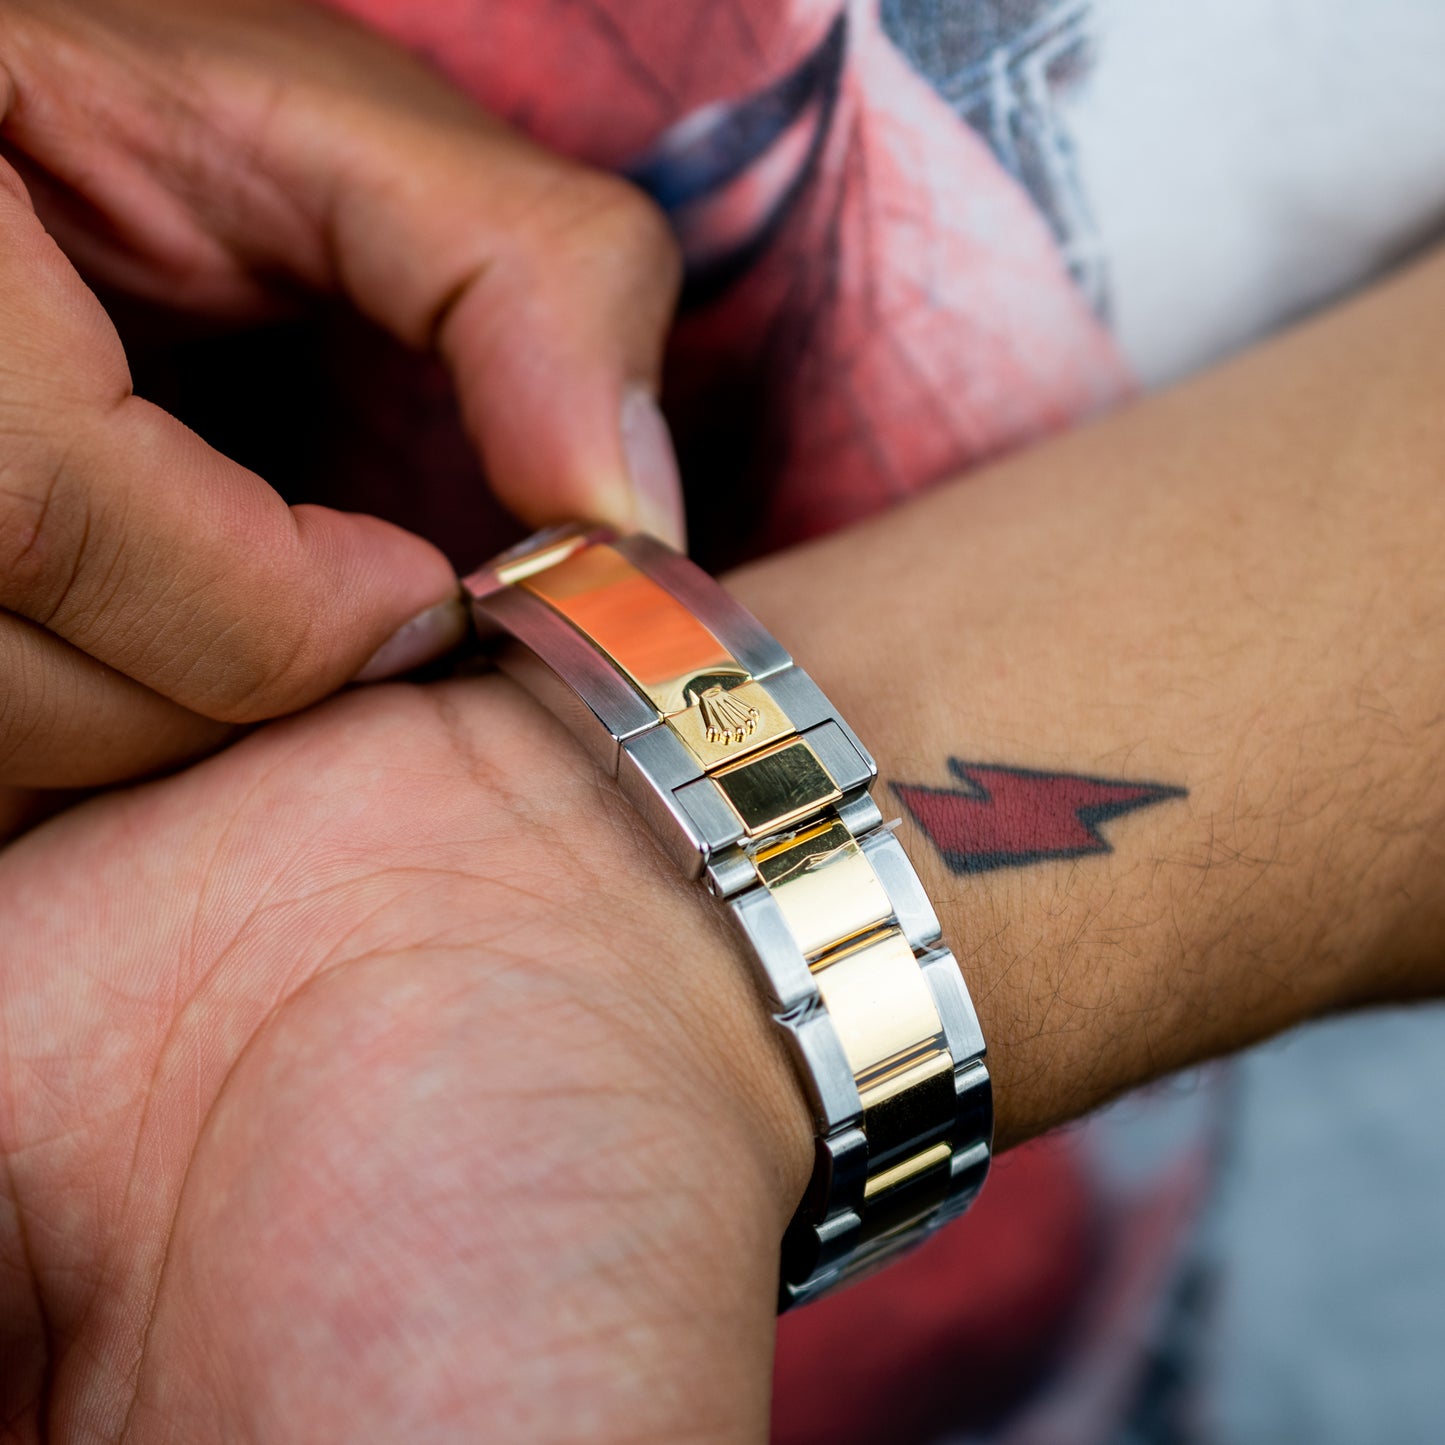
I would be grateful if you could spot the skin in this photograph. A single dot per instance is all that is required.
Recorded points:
(377, 1078)
(226, 160)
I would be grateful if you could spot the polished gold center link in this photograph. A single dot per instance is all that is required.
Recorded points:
(880, 1004)
(904, 1197)
(825, 886)
(777, 787)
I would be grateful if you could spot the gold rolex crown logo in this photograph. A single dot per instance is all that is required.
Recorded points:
(725, 718)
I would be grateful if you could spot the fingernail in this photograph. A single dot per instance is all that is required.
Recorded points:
(652, 461)
(428, 635)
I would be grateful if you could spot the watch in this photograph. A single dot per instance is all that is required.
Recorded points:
(753, 783)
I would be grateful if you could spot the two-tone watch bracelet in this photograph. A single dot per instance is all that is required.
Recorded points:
(751, 780)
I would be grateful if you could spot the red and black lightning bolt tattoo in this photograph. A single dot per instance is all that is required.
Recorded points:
(1007, 817)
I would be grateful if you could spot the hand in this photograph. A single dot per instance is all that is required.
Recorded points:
(221, 159)
(377, 1080)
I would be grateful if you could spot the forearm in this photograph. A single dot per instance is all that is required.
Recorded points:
(1233, 590)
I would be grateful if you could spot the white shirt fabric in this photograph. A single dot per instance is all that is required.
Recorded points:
(1247, 160)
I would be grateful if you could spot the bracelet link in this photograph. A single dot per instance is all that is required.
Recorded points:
(748, 775)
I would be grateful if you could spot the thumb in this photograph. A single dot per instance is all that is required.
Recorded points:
(548, 288)
(126, 541)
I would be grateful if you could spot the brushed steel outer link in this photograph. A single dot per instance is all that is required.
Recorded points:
(845, 1174)
(955, 1007)
(827, 1077)
(783, 973)
(729, 872)
(859, 814)
(970, 1168)
(804, 701)
(820, 1252)
(974, 1092)
(852, 769)
(708, 812)
(910, 903)
(573, 673)
(653, 768)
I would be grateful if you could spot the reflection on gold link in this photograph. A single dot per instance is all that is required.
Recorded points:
(934, 1157)
(648, 633)
(539, 559)
(880, 1004)
(777, 787)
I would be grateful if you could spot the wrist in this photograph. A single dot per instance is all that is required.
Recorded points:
(754, 784)
(708, 1016)
(1190, 930)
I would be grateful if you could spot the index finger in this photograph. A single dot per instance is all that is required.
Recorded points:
(280, 139)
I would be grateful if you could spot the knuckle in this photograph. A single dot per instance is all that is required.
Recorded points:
(103, 564)
(152, 602)
(604, 215)
(254, 670)
(28, 708)
(13, 188)
(45, 516)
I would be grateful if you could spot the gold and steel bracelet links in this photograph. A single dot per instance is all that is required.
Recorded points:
(751, 780)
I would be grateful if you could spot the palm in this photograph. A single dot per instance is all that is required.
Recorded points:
(364, 1080)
